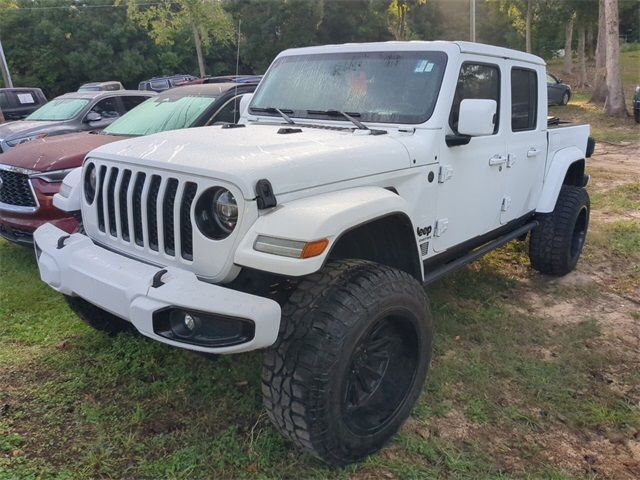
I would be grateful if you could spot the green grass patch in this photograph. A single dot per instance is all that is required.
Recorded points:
(84, 405)
(619, 199)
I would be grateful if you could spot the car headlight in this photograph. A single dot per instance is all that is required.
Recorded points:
(216, 213)
(90, 182)
(21, 140)
(53, 176)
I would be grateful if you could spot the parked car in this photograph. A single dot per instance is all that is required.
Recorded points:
(17, 103)
(636, 104)
(558, 93)
(362, 172)
(225, 79)
(160, 84)
(33, 173)
(101, 86)
(71, 112)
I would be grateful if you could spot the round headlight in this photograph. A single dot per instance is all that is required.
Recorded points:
(216, 213)
(90, 182)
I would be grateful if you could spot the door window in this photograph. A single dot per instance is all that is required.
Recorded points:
(132, 102)
(524, 99)
(476, 80)
(230, 113)
(551, 80)
(107, 108)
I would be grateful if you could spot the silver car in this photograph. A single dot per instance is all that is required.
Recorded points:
(71, 112)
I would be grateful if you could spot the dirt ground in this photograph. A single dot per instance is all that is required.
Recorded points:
(616, 308)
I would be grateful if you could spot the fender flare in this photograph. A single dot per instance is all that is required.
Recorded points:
(326, 215)
(562, 160)
(70, 195)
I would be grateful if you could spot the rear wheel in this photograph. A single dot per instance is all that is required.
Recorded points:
(98, 318)
(350, 361)
(556, 244)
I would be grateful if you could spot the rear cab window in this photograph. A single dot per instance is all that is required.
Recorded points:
(524, 99)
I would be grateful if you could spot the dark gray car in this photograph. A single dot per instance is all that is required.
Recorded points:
(558, 93)
(71, 112)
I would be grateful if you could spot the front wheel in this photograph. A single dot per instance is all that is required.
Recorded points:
(556, 243)
(350, 360)
(565, 98)
(98, 318)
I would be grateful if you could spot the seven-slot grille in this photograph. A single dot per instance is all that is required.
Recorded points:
(15, 189)
(146, 209)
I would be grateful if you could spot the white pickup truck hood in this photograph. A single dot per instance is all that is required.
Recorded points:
(242, 156)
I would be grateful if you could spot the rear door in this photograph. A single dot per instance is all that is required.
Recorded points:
(526, 141)
(470, 180)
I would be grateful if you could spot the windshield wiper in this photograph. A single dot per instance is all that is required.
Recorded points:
(279, 111)
(349, 116)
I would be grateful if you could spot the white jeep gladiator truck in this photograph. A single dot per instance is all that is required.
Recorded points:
(361, 172)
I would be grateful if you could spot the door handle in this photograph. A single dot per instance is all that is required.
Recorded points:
(497, 160)
(532, 152)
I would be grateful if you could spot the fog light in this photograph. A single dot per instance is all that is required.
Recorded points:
(200, 328)
(189, 322)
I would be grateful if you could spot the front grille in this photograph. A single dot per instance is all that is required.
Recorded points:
(16, 189)
(150, 211)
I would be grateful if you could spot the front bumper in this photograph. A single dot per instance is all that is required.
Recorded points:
(135, 291)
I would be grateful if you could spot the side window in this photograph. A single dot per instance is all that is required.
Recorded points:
(132, 102)
(524, 99)
(230, 113)
(551, 80)
(107, 108)
(476, 80)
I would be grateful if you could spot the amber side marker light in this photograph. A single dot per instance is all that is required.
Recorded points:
(313, 249)
(290, 248)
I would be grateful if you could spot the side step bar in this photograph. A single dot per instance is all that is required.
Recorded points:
(473, 255)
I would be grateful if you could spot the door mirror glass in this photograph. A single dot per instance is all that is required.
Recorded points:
(477, 117)
(93, 117)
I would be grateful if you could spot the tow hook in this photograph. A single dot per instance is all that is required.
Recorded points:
(61, 241)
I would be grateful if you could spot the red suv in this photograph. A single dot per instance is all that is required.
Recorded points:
(32, 173)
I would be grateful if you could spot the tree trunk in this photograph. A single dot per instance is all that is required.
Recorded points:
(568, 52)
(600, 80)
(1, 116)
(615, 102)
(582, 63)
(590, 46)
(528, 25)
(198, 41)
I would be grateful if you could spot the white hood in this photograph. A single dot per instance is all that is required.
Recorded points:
(242, 156)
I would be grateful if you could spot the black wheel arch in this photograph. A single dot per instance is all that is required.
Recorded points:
(383, 240)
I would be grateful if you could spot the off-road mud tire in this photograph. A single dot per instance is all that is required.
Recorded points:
(556, 244)
(98, 318)
(327, 326)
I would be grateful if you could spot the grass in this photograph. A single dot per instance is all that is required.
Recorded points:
(579, 110)
(78, 404)
(622, 198)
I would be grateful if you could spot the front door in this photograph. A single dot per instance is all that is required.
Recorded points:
(470, 185)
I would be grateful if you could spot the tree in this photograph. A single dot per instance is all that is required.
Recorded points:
(203, 18)
(615, 104)
(568, 46)
(599, 94)
(528, 26)
(398, 13)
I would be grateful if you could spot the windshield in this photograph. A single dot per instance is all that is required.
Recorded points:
(385, 87)
(159, 114)
(59, 109)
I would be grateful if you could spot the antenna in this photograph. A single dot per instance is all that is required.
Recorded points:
(235, 96)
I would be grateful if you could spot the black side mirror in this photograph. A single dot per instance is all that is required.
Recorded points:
(559, 80)
(93, 117)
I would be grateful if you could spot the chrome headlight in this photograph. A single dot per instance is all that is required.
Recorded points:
(90, 182)
(216, 213)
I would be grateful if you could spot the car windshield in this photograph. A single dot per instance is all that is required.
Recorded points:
(59, 109)
(385, 87)
(159, 114)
